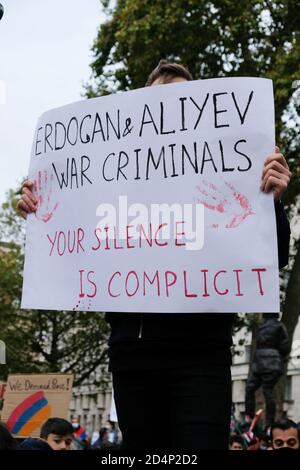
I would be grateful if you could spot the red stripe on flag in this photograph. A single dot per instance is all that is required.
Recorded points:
(19, 410)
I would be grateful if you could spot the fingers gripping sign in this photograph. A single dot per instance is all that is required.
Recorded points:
(276, 174)
(28, 202)
(37, 197)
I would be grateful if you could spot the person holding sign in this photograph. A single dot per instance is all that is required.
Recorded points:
(176, 366)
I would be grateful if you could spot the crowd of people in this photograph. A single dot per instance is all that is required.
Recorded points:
(60, 434)
(282, 434)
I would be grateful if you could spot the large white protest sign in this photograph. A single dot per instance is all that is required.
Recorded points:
(150, 201)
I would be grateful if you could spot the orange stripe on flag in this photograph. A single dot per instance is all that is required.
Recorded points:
(36, 421)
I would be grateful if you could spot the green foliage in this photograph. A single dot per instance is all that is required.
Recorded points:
(213, 39)
(217, 38)
(12, 228)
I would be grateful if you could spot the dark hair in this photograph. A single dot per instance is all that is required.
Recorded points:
(167, 70)
(7, 442)
(112, 423)
(284, 424)
(236, 438)
(102, 432)
(58, 426)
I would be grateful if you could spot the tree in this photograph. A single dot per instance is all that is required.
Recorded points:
(217, 38)
(213, 39)
(39, 340)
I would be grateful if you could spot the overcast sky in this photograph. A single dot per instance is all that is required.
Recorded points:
(44, 60)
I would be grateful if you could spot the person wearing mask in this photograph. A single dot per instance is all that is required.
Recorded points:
(285, 435)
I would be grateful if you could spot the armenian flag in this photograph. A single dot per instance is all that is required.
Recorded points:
(29, 415)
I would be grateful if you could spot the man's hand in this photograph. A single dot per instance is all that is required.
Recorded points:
(276, 174)
(28, 202)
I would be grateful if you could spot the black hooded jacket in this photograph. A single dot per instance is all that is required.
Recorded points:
(272, 346)
(34, 444)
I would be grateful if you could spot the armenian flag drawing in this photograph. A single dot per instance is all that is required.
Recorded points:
(29, 415)
(31, 399)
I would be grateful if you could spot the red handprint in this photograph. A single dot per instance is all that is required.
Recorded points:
(233, 206)
(42, 187)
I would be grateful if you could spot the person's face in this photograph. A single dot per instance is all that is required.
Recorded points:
(285, 438)
(57, 442)
(236, 446)
(165, 80)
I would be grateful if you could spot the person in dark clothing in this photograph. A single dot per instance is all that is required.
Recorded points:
(272, 346)
(35, 444)
(177, 365)
(103, 442)
(7, 442)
